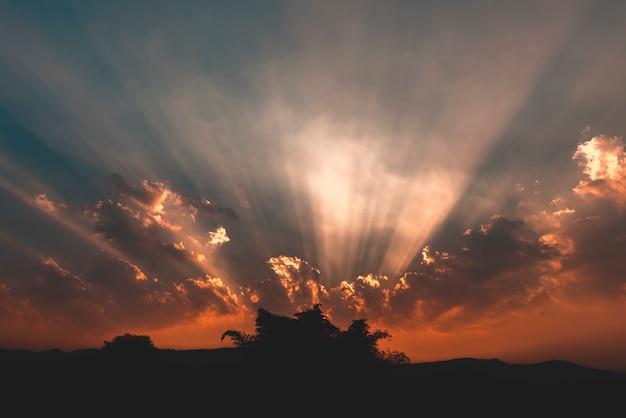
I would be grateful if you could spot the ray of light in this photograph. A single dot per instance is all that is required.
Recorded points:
(45, 206)
(372, 188)
(363, 177)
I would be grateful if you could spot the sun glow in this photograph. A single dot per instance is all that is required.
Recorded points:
(303, 163)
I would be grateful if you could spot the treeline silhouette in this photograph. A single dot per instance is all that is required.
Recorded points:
(305, 342)
(309, 341)
(291, 366)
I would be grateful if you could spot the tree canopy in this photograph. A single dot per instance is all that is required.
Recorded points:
(129, 342)
(131, 347)
(310, 340)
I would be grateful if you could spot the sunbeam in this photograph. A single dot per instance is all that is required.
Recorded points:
(441, 169)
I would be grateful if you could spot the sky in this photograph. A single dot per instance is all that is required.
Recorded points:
(452, 171)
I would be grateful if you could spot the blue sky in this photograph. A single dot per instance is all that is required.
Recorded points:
(451, 171)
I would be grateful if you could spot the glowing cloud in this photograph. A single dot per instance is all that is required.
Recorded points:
(604, 161)
(218, 237)
(408, 163)
(43, 201)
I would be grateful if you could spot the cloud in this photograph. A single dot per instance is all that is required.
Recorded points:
(49, 293)
(555, 250)
(142, 235)
(593, 268)
(218, 237)
(152, 269)
(209, 294)
(603, 161)
(585, 224)
(43, 201)
(501, 245)
(159, 227)
(564, 249)
(363, 297)
(291, 284)
(15, 308)
(150, 194)
(408, 165)
(500, 268)
(112, 294)
(204, 208)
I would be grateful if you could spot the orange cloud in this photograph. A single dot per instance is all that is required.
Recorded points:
(43, 201)
(218, 237)
(604, 162)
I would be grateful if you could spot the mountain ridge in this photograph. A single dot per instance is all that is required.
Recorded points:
(203, 357)
(175, 381)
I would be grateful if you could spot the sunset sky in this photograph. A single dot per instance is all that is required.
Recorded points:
(452, 171)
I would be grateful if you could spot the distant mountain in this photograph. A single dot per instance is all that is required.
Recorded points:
(554, 371)
(217, 378)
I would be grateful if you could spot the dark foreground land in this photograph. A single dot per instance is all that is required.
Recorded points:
(209, 382)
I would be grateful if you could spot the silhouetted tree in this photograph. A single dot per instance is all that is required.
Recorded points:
(129, 343)
(310, 342)
(358, 344)
(394, 357)
(240, 339)
(313, 325)
(134, 348)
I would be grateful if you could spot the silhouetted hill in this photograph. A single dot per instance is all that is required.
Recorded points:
(201, 357)
(216, 380)
(554, 371)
